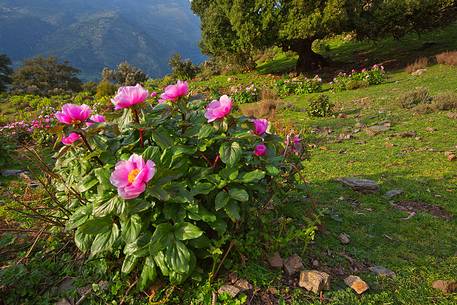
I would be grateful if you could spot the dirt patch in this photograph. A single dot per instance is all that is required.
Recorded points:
(415, 206)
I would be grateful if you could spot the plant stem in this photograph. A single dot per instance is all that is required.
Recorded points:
(83, 137)
(136, 118)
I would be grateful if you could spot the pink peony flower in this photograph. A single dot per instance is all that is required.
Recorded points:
(129, 96)
(218, 109)
(96, 118)
(174, 92)
(71, 138)
(154, 94)
(73, 114)
(131, 176)
(260, 150)
(260, 126)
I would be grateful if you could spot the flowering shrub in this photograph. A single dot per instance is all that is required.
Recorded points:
(38, 129)
(319, 106)
(164, 186)
(359, 79)
(299, 86)
(249, 95)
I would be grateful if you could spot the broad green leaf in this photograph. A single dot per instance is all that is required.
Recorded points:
(205, 131)
(108, 207)
(253, 176)
(132, 228)
(202, 188)
(96, 226)
(103, 176)
(105, 241)
(162, 237)
(174, 211)
(230, 153)
(177, 257)
(159, 258)
(185, 231)
(272, 170)
(80, 216)
(152, 153)
(87, 183)
(129, 263)
(140, 247)
(83, 241)
(233, 211)
(162, 137)
(239, 195)
(229, 173)
(222, 198)
(148, 275)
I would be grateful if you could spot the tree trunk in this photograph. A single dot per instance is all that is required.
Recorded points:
(308, 60)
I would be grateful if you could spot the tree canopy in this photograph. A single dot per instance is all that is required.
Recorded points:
(45, 75)
(125, 75)
(241, 26)
(5, 72)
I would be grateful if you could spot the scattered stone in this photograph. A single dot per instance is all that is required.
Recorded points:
(231, 290)
(243, 285)
(360, 185)
(356, 283)
(382, 271)
(450, 155)
(314, 281)
(293, 264)
(393, 193)
(419, 72)
(276, 261)
(445, 286)
(430, 129)
(12, 172)
(376, 129)
(315, 263)
(344, 238)
(407, 134)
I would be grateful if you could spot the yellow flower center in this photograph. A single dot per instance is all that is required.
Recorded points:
(133, 174)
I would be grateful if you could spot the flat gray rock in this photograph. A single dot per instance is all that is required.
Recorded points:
(393, 193)
(382, 271)
(12, 172)
(360, 185)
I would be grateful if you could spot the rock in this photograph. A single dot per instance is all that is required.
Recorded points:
(408, 134)
(243, 285)
(382, 271)
(231, 290)
(360, 185)
(276, 261)
(445, 286)
(12, 172)
(393, 193)
(314, 281)
(419, 72)
(63, 302)
(376, 129)
(356, 283)
(430, 129)
(344, 238)
(293, 264)
(315, 263)
(450, 155)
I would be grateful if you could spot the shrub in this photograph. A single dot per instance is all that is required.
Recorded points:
(105, 88)
(299, 86)
(445, 101)
(182, 69)
(359, 79)
(205, 184)
(249, 95)
(415, 97)
(420, 63)
(447, 58)
(320, 106)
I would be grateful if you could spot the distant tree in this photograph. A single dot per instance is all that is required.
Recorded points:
(90, 87)
(105, 88)
(45, 75)
(124, 75)
(241, 26)
(182, 69)
(5, 72)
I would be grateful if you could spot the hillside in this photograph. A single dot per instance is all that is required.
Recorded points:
(95, 34)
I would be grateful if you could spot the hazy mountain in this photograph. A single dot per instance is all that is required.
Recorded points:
(92, 34)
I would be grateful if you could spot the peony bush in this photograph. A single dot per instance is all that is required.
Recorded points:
(163, 182)
(359, 79)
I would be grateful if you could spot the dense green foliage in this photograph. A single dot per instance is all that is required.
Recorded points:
(5, 72)
(240, 27)
(46, 76)
(182, 69)
(124, 75)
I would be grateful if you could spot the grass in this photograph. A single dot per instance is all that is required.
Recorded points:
(420, 249)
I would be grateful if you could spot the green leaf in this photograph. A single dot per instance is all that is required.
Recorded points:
(83, 241)
(96, 226)
(222, 198)
(105, 241)
(140, 247)
(162, 237)
(233, 211)
(177, 257)
(108, 207)
(80, 216)
(152, 153)
(239, 195)
(202, 188)
(272, 170)
(148, 275)
(253, 176)
(185, 231)
(159, 258)
(229, 173)
(103, 176)
(87, 183)
(132, 228)
(162, 137)
(230, 153)
(205, 131)
(129, 263)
